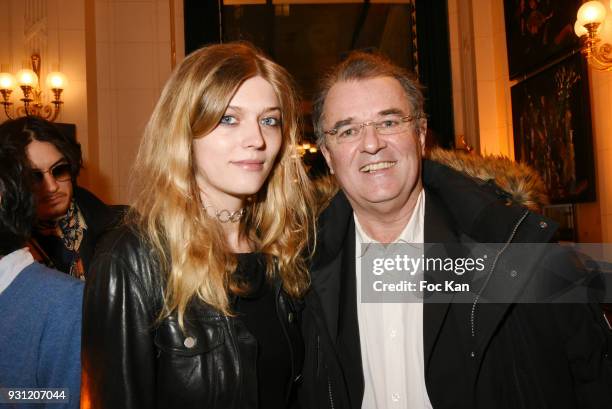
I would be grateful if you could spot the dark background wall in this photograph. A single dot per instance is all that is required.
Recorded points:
(308, 38)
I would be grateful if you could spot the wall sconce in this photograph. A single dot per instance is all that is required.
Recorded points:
(594, 27)
(28, 81)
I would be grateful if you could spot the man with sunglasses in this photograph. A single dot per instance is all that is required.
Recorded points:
(70, 219)
(437, 349)
(40, 323)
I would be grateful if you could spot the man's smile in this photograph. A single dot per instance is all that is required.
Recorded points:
(376, 166)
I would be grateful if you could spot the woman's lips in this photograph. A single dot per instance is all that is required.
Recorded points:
(250, 165)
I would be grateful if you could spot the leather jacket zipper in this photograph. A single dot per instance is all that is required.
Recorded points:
(491, 270)
(329, 389)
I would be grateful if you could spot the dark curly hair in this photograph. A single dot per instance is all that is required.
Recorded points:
(17, 209)
(31, 128)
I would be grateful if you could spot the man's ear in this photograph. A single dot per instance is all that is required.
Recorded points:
(327, 157)
(422, 134)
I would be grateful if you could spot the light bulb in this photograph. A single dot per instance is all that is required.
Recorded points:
(7, 81)
(579, 29)
(56, 80)
(591, 12)
(27, 77)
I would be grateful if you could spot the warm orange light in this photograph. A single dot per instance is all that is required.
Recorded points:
(591, 12)
(579, 29)
(56, 80)
(33, 100)
(7, 81)
(604, 31)
(27, 77)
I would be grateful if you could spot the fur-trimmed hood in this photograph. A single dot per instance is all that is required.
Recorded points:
(520, 181)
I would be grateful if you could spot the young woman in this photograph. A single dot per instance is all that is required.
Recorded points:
(195, 302)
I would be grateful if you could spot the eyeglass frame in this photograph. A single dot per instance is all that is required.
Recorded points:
(50, 172)
(405, 119)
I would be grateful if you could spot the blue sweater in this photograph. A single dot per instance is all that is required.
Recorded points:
(40, 333)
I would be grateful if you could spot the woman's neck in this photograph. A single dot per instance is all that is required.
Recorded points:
(237, 242)
(228, 212)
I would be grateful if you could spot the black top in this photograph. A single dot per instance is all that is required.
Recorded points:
(258, 312)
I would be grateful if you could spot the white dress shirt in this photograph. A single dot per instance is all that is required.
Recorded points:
(391, 336)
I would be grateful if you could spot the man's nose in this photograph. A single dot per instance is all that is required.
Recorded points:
(49, 183)
(371, 142)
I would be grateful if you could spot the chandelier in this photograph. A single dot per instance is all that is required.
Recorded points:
(31, 103)
(594, 28)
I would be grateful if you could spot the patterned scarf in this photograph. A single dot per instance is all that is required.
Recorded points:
(70, 229)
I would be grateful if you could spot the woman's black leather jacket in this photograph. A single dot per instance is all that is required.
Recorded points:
(130, 360)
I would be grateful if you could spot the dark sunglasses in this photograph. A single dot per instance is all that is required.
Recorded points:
(60, 172)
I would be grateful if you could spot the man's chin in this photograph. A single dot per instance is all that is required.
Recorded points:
(381, 196)
(371, 202)
(53, 214)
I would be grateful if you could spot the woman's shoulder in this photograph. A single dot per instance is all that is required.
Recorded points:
(127, 250)
(124, 240)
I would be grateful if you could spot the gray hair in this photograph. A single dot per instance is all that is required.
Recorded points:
(360, 65)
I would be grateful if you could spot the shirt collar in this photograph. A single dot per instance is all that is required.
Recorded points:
(12, 264)
(413, 231)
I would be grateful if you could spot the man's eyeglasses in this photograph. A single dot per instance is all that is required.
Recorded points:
(60, 172)
(389, 126)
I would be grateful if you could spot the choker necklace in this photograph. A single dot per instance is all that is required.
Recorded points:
(224, 215)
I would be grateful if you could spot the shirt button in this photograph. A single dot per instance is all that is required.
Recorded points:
(543, 224)
(395, 397)
(393, 333)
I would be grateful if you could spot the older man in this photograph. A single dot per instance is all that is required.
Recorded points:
(371, 127)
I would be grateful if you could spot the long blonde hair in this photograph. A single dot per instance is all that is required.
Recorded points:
(191, 247)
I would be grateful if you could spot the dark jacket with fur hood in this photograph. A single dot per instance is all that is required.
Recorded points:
(503, 355)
